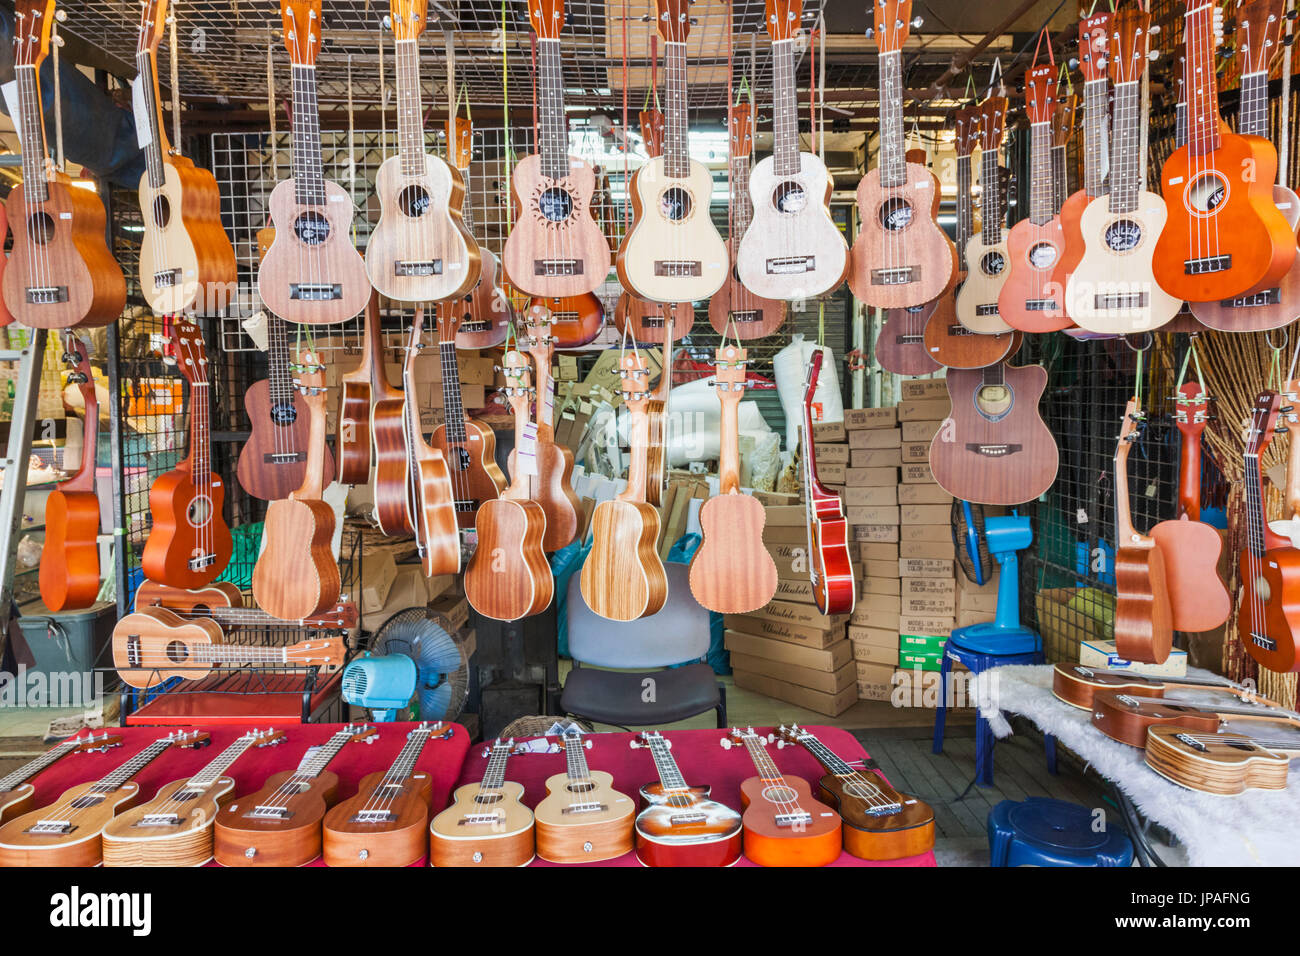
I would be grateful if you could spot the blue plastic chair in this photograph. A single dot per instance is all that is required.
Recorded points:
(1044, 832)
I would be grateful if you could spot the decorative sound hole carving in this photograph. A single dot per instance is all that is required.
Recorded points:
(992, 263)
(200, 511)
(311, 228)
(284, 413)
(1206, 192)
(177, 653)
(895, 214)
(789, 197)
(413, 201)
(1123, 235)
(675, 204)
(994, 401)
(40, 227)
(556, 204)
(1042, 255)
(162, 211)
(779, 794)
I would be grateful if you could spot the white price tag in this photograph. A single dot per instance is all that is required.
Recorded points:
(526, 450)
(140, 106)
(10, 91)
(547, 415)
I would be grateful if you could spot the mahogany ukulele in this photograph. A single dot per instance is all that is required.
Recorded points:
(901, 257)
(555, 248)
(311, 274)
(508, 577)
(17, 794)
(487, 823)
(5, 317)
(754, 316)
(656, 411)
(731, 572)
(575, 320)
(623, 578)
(1077, 684)
(680, 825)
(69, 568)
(186, 259)
(386, 822)
(389, 451)
(189, 543)
(223, 602)
(830, 568)
(1224, 235)
(582, 818)
(785, 825)
(175, 827)
(60, 274)
(296, 575)
(879, 823)
(420, 250)
(1126, 718)
(1220, 763)
(976, 302)
(68, 831)
(353, 440)
(280, 825)
(792, 249)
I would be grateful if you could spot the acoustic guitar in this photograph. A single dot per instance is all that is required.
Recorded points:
(672, 252)
(1028, 300)
(976, 303)
(60, 274)
(420, 250)
(792, 249)
(280, 825)
(486, 824)
(830, 567)
(1220, 763)
(1268, 616)
(946, 340)
(152, 645)
(731, 571)
(1126, 718)
(680, 825)
(273, 461)
(552, 486)
(311, 274)
(175, 827)
(189, 543)
(555, 247)
(879, 823)
(623, 578)
(487, 311)
(1224, 236)
(575, 320)
(385, 823)
(582, 818)
(785, 825)
(508, 577)
(17, 795)
(223, 602)
(1112, 288)
(901, 257)
(69, 568)
(467, 445)
(754, 316)
(1077, 684)
(296, 575)
(68, 831)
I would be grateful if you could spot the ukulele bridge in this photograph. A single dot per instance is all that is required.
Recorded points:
(417, 267)
(1041, 305)
(988, 308)
(51, 828)
(687, 819)
(167, 279)
(1267, 297)
(910, 338)
(284, 457)
(1121, 300)
(1206, 265)
(199, 562)
(799, 818)
(373, 816)
(791, 265)
(584, 808)
(159, 820)
(1263, 641)
(748, 315)
(479, 819)
(1190, 741)
(557, 267)
(900, 276)
(678, 268)
(267, 812)
(47, 294)
(316, 291)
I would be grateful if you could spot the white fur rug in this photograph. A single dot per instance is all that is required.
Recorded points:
(1255, 828)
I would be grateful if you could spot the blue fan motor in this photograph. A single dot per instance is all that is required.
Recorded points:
(383, 685)
(415, 658)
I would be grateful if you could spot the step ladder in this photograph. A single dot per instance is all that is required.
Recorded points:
(30, 359)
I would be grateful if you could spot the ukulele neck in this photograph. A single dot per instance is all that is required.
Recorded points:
(553, 133)
(785, 110)
(404, 764)
(677, 155)
(990, 198)
(114, 780)
(742, 208)
(157, 148)
(219, 765)
(1095, 112)
(494, 775)
(1040, 170)
(28, 770)
(31, 133)
(279, 379)
(965, 210)
(575, 758)
(313, 482)
(308, 171)
(1198, 75)
(670, 777)
(893, 150)
(410, 112)
(1127, 160)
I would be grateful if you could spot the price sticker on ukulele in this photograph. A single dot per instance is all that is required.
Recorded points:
(526, 449)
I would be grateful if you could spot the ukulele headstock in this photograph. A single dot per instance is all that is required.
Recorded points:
(648, 739)
(153, 22)
(651, 123)
(635, 379)
(409, 18)
(1263, 422)
(300, 20)
(893, 24)
(730, 364)
(359, 733)
(437, 730)
(1129, 430)
(188, 350)
(76, 356)
(547, 18)
(33, 21)
(1040, 93)
(1130, 44)
(328, 653)
(519, 390)
(673, 20)
(309, 375)
(738, 738)
(1259, 34)
(741, 126)
(1191, 410)
(1063, 120)
(783, 18)
(967, 130)
(271, 737)
(993, 122)
(460, 142)
(450, 313)
(814, 373)
(537, 330)
(1094, 44)
(189, 740)
(100, 744)
(791, 735)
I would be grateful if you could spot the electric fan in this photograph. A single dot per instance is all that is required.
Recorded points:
(414, 658)
(979, 541)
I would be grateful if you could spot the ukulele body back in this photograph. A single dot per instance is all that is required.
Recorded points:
(508, 577)
(732, 572)
(296, 576)
(623, 578)
(69, 568)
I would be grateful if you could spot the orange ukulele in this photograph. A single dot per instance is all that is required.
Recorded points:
(1224, 235)
(830, 568)
(575, 319)
(189, 543)
(296, 575)
(785, 825)
(1143, 616)
(552, 486)
(508, 577)
(731, 571)
(623, 578)
(69, 569)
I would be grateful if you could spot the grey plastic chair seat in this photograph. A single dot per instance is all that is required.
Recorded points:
(639, 699)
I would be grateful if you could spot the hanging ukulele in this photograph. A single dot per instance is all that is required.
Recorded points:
(1288, 526)
(363, 389)
(389, 445)
(731, 571)
(575, 320)
(830, 567)
(976, 303)
(508, 577)
(189, 543)
(69, 568)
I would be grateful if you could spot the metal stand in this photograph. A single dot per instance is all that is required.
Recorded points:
(30, 360)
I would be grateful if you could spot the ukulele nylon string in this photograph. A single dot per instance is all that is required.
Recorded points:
(110, 782)
(874, 797)
(385, 791)
(771, 778)
(206, 777)
(307, 770)
(29, 94)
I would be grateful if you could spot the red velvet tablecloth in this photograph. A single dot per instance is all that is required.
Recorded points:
(702, 761)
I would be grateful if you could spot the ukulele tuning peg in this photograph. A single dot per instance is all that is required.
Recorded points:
(1153, 55)
(869, 32)
(725, 743)
(61, 16)
(1073, 63)
(917, 21)
(1153, 29)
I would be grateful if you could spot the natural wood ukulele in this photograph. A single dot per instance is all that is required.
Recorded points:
(583, 818)
(1220, 762)
(17, 795)
(1076, 684)
(1127, 718)
(731, 571)
(487, 824)
(623, 578)
(223, 602)
(680, 825)
(175, 827)
(389, 453)
(976, 303)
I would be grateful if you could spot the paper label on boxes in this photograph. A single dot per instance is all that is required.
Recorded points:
(526, 450)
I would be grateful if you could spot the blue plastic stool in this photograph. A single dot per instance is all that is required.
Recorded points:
(977, 661)
(1045, 832)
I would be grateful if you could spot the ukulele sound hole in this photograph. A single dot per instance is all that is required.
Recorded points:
(863, 791)
(176, 652)
(675, 204)
(413, 201)
(556, 204)
(1123, 235)
(1042, 255)
(994, 401)
(789, 197)
(162, 211)
(284, 413)
(581, 787)
(1262, 590)
(311, 228)
(1206, 193)
(779, 794)
(895, 214)
(992, 263)
(200, 511)
(487, 798)
(40, 228)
